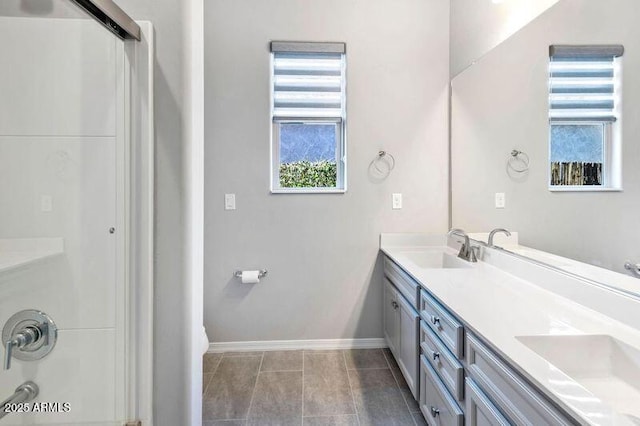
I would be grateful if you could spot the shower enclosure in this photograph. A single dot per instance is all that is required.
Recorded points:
(76, 185)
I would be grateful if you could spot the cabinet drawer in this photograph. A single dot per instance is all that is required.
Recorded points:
(437, 405)
(480, 411)
(445, 326)
(443, 362)
(520, 403)
(403, 282)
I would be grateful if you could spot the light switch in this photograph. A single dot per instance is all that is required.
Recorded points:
(500, 200)
(229, 201)
(46, 203)
(397, 201)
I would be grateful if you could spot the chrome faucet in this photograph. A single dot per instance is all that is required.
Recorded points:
(28, 335)
(494, 232)
(24, 393)
(466, 252)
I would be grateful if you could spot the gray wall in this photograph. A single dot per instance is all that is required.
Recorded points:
(500, 103)
(321, 250)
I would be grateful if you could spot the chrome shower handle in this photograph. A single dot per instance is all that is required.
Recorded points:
(8, 353)
(27, 336)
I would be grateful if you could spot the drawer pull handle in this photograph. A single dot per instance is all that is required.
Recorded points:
(395, 305)
(435, 320)
(434, 412)
(435, 356)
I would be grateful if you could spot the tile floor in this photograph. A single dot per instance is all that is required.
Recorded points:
(351, 387)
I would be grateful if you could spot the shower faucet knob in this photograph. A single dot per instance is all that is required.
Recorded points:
(24, 338)
(28, 335)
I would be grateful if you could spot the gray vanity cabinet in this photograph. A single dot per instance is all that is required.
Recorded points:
(402, 323)
(452, 372)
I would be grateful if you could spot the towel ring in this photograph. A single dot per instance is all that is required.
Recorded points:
(386, 158)
(518, 157)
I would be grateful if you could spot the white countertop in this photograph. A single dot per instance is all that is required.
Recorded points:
(499, 306)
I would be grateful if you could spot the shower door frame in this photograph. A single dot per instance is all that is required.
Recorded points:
(136, 171)
(135, 206)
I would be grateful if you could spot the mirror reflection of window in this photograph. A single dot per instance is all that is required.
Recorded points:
(584, 115)
(577, 153)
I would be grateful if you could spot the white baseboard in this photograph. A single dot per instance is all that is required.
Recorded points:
(276, 345)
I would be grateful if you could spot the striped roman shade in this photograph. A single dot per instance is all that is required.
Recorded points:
(308, 80)
(583, 84)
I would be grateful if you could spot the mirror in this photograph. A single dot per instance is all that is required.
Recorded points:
(500, 103)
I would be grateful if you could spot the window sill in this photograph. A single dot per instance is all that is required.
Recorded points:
(583, 189)
(309, 191)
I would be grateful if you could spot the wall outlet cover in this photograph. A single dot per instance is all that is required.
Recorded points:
(500, 200)
(229, 201)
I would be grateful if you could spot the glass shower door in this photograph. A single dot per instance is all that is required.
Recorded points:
(62, 213)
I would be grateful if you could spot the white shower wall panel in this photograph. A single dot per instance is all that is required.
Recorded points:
(80, 371)
(62, 144)
(57, 77)
(78, 289)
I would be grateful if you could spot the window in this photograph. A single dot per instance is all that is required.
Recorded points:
(584, 117)
(308, 117)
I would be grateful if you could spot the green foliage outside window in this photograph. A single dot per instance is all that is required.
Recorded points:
(306, 174)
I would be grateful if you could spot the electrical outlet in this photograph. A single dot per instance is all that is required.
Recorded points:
(229, 201)
(397, 201)
(500, 200)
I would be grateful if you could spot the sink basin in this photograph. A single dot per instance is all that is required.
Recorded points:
(605, 366)
(435, 259)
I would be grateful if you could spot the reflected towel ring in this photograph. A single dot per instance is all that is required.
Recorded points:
(383, 157)
(518, 157)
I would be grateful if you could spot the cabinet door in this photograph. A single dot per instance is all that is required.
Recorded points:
(409, 344)
(390, 313)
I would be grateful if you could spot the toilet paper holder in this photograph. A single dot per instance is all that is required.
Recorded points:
(261, 273)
